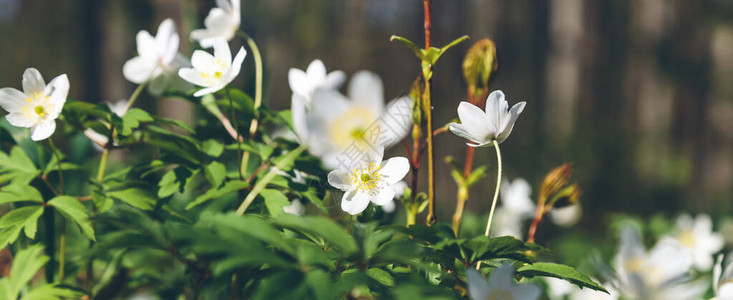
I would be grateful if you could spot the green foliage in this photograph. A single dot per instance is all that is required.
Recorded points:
(26, 264)
(559, 271)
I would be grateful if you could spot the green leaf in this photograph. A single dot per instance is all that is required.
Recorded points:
(418, 52)
(26, 264)
(275, 200)
(136, 197)
(16, 220)
(559, 271)
(322, 227)
(18, 166)
(51, 292)
(476, 175)
(132, 119)
(381, 276)
(212, 148)
(73, 209)
(481, 248)
(20, 192)
(228, 187)
(215, 173)
(165, 121)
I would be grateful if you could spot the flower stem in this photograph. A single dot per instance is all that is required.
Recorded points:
(496, 194)
(463, 191)
(539, 213)
(260, 185)
(105, 152)
(431, 218)
(62, 250)
(236, 129)
(58, 165)
(258, 93)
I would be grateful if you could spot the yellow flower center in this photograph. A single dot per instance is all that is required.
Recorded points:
(37, 106)
(687, 238)
(39, 110)
(217, 75)
(366, 178)
(352, 128)
(500, 294)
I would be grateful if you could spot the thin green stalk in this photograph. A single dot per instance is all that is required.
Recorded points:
(105, 152)
(287, 159)
(233, 115)
(427, 74)
(62, 250)
(496, 194)
(58, 165)
(258, 93)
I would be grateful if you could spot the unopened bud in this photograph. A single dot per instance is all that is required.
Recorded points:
(478, 65)
(416, 93)
(555, 180)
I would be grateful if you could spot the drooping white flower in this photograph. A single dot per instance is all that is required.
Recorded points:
(662, 273)
(723, 279)
(482, 128)
(516, 207)
(699, 238)
(213, 72)
(222, 22)
(371, 180)
(295, 208)
(500, 286)
(118, 108)
(158, 59)
(38, 106)
(566, 216)
(340, 129)
(303, 85)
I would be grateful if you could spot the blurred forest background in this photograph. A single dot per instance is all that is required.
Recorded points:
(637, 94)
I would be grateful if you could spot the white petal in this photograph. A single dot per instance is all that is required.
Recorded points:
(326, 106)
(43, 130)
(389, 207)
(399, 188)
(298, 114)
(205, 37)
(334, 80)
(222, 51)
(478, 288)
(192, 76)
(57, 90)
(384, 196)
(526, 291)
(394, 169)
(354, 202)
(725, 292)
(502, 277)
(19, 120)
(494, 109)
(513, 115)
(476, 122)
(159, 84)
(208, 90)
(299, 82)
(316, 71)
(138, 70)
(33, 81)
(461, 131)
(396, 122)
(365, 89)
(340, 179)
(12, 100)
(167, 40)
(202, 61)
(224, 4)
(146, 45)
(236, 64)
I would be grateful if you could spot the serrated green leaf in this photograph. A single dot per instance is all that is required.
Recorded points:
(132, 119)
(228, 187)
(19, 192)
(321, 227)
(275, 200)
(75, 211)
(482, 248)
(26, 264)
(212, 148)
(51, 292)
(12, 223)
(215, 173)
(559, 271)
(136, 197)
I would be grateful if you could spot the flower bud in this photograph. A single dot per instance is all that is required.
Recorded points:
(416, 93)
(478, 66)
(555, 180)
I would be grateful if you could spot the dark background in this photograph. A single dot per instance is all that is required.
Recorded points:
(638, 95)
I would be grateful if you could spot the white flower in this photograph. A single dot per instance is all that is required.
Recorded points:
(341, 129)
(303, 85)
(501, 286)
(222, 22)
(213, 72)
(399, 190)
(698, 237)
(372, 180)
(723, 279)
(566, 216)
(98, 139)
(38, 106)
(483, 128)
(516, 207)
(295, 208)
(158, 58)
(662, 273)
